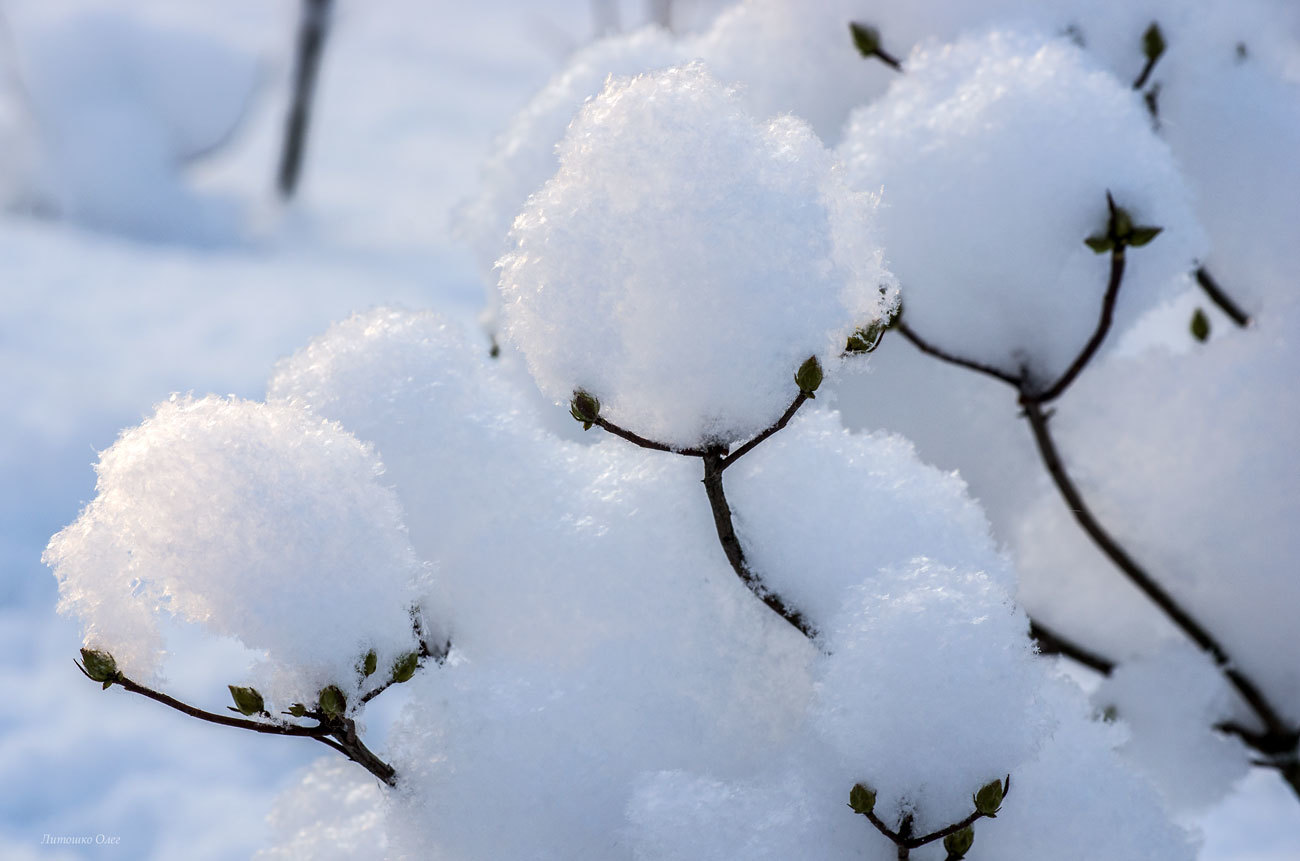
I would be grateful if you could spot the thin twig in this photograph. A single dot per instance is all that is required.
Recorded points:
(224, 720)
(1220, 298)
(931, 350)
(1138, 576)
(1098, 335)
(736, 554)
(637, 439)
(1052, 643)
(745, 449)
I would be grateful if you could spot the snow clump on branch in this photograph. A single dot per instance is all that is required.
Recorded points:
(258, 522)
(996, 154)
(686, 259)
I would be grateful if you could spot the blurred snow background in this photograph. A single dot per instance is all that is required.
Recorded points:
(123, 280)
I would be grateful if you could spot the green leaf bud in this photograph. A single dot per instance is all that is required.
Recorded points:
(1122, 226)
(1099, 244)
(369, 664)
(865, 38)
(959, 843)
(1200, 326)
(809, 376)
(988, 800)
(1142, 235)
(247, 700)
(332, 701)
(862, 799)
(100, 666)
(584, 408)
(866, 338)
(298, 710)
(404, 667)
(1153, 43)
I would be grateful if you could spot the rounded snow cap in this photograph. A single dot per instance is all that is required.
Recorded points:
(256, 521)
(687, 259)
(996, 154)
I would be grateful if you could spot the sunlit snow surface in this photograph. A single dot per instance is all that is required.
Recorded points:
(97, 327)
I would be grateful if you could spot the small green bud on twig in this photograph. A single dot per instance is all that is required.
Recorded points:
(959, 843)
(1153, 43)
(298, 710)
(247, 700)
(332, 701)
(369, 664)
(100, 666)
(988, 800)
(1121, 232)
(862, 799)
(1200, 326)
(865, 38)
(584, 408)
(404, 667)
(809, 376)
(866, 338)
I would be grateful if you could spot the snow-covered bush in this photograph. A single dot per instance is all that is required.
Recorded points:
(826, 650)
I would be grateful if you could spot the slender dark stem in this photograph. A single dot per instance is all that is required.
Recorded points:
(906, 841)
(745, 449)
(1052, 643)
(1146, 72)
(1098, 334)
(311, 41)
(439, 655)
(888, 59)
(1220, 298)
(931, 350)
(224, 720)
(338, 733)
(637, 439)
(735, 553)
(1138, 576)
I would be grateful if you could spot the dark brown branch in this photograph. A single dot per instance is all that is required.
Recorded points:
(931, 350)
(637, 439)
(904, 839)
(745, 449)
(311, 41)
(1138, 575)
(735, 553)
(1052, 643)
(888, 59)
(223, 720)
(338, 733)
(1145, 73)
(1220, 298)
(1098, 335)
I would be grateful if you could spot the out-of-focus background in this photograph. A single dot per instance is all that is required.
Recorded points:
(144, 251)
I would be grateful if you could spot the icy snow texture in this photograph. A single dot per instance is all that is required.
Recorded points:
(793, 495)
(334, 813)
(1073, 801)
(1170, 704)
(995, 155)
(524, 156)
(950, 645)
(685, 261)
(258, 522)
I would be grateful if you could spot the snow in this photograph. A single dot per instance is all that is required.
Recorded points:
(262, 523)
(98, 326)
(992, 179)
(686, 259)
